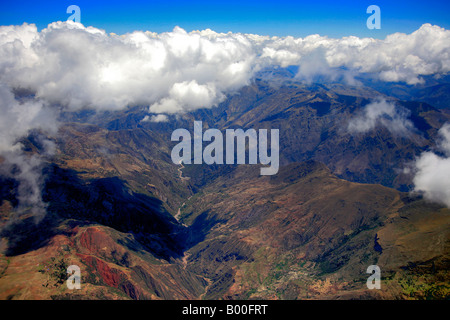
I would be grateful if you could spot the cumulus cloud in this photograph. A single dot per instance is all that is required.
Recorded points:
(156, 118)
(399, 57)
(432, 176)
(68, 67)
(76, 66)
(384, 113)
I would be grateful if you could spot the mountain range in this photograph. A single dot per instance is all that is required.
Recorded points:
(142, 227)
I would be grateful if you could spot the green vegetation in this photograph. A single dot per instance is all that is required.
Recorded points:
(55, 269)
(424, 287)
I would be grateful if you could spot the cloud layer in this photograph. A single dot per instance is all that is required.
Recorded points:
(433, 171)
(76, 66)
(384, 113)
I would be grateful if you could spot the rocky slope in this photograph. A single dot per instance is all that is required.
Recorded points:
(305, 233)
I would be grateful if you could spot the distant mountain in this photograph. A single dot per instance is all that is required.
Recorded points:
(434, 91)
(313, 122)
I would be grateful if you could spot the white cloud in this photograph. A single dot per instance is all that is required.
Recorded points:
(28, 172)
(77, 66)
(188, 96)
(433, 171)
(384, 113)
(399, 57)
(155, 118)
(19, 117)
(80, 67)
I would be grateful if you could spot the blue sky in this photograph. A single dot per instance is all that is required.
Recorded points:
(280, 18)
